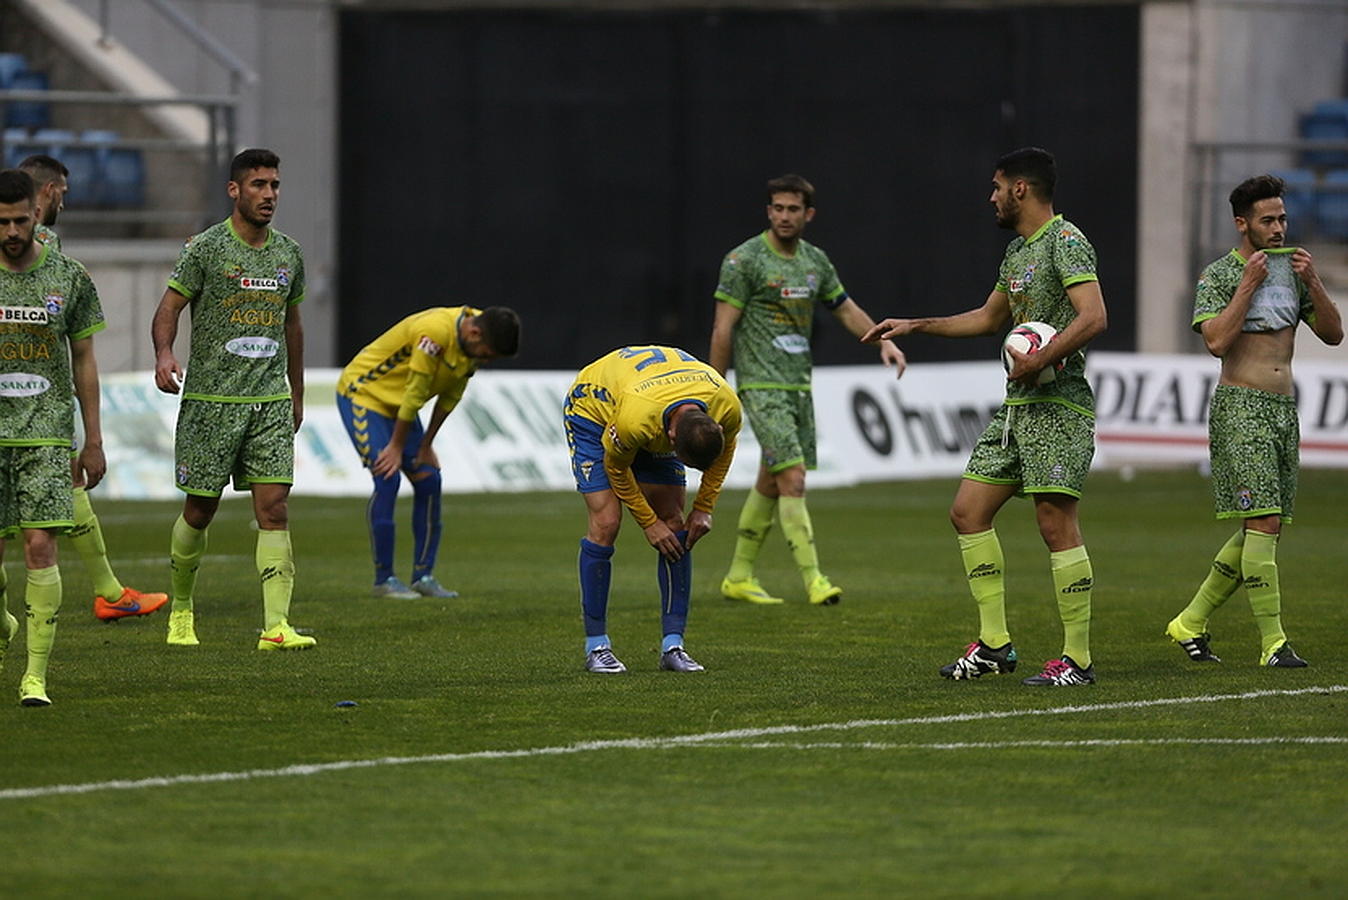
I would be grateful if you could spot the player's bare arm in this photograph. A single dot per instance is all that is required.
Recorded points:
(1223, 330)
(723, 335)
(1328, 325)
(168, 374)
(856, 320)
(84, 372)
(295, 362)
(989, 318)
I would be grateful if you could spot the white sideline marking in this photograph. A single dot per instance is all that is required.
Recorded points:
(1001, 745)
(712, 737)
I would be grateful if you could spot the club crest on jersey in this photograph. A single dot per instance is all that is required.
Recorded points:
(429, 347)
(613, 436)
(812, 280)
(283, 276)
(253, 283)
(53, 302)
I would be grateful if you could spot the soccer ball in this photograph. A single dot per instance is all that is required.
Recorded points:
(1030, 337)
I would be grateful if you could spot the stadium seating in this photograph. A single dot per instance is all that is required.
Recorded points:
(11, 64)
(1333, 205)
(1328, 121)
(29, 113)
(122, 177)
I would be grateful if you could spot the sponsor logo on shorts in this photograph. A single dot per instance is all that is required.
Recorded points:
(252, 283)
(792, 343)
(253, 347)
(1244, 499)
(22, 384)
(585, 469)
(791, 292)
(182, 473)
(30, 315)
(429, 347)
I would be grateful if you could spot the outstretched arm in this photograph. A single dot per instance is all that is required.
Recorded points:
(989, 318)
(855, 320)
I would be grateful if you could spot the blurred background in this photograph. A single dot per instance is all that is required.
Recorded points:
(589, 163)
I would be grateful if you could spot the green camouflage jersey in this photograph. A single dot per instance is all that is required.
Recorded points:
(777, 295)
(1281, 301)
(42, 309)
(240, 297)
(1035, 275)
(45, 235)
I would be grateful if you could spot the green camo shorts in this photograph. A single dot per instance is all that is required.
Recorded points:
(35, 489)
(783, 423)
(252, 442)
(1045, 448)
(1255, 447)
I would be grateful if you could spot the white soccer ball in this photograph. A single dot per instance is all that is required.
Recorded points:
(1031, 337)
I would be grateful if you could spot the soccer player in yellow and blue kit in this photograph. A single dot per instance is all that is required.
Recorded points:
(431, 353)
(634, 418)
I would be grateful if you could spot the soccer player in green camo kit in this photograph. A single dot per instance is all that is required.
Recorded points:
(1042, 439)
(1248, 306)
(243, 396)
(767, 294)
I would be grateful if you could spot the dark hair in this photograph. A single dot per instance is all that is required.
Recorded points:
(44, 169)
(792, 184)
(1251, 191)
(500, 329)
(16, 187)
(698, 440)
(1034, 166)
(248, 160)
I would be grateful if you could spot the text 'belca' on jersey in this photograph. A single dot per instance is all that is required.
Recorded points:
(240, 299)
(778, 296)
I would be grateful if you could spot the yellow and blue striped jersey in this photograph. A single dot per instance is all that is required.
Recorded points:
(425, 343)
(631, 392)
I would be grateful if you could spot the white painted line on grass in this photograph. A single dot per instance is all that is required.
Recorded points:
(1002, 745)
(738, 734)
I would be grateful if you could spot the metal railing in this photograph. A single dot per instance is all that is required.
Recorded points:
(239, 72)
(214, 154)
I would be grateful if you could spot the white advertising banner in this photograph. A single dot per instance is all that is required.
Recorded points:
(507, 435)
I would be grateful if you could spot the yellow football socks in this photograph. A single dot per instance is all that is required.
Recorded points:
(1217, 587)
(754, 524)
(42, 600)
(983, 566)
(799, 534)
(185, 552)
(276, 567)
(87, 539)
(1259, 564)
(1073, 580)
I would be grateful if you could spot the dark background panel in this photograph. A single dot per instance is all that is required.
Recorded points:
(591, 169)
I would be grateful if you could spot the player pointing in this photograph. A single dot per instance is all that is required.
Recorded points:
(1042, 439)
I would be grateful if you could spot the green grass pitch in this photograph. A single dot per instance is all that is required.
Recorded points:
(819, 755)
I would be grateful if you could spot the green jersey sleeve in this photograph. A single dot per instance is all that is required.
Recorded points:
(188, 274)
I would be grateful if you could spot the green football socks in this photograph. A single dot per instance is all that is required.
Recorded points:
(1073, 580)
(276, 567)
(1217, 588)
(42, 600)
(185, 552)
(983, 566)
(87, 539)
(799, 533)
(1259, 564)
(754, 525)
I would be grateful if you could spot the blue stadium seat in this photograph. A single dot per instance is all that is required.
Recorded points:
(1299, 198)
(28, 114)
(11, 64)
(1328, 121)
(123, 178)
(16, 143)
(1333, 205)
